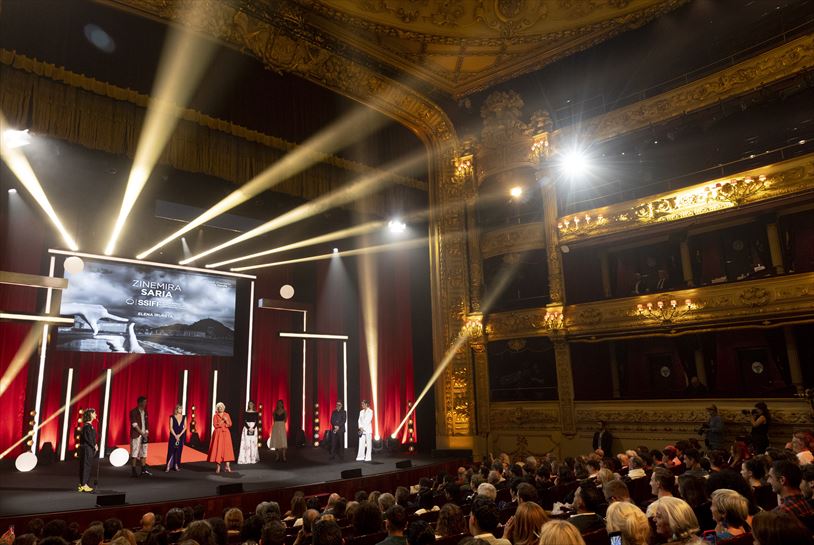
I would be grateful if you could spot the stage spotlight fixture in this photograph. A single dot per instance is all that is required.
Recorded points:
(13, 138)
(336, 250)
(574, 163)
(287, 291)
(25, 462)
(12, 191)
(396, 226)
(516, 191)
(99, 38)
(74, 265)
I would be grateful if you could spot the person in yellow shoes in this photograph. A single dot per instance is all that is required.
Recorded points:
(87, 450)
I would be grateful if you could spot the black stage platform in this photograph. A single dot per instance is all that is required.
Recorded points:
(51, 488)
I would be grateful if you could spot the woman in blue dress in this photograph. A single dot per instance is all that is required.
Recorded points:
(175, 443)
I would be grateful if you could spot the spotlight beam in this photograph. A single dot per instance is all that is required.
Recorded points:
(19, 165)
(405, 245)
(350, 192)
(183, 62)
(360, 124)
(329, 237)
(370, 319)
(121, 364)
(502, 280)
(19, 360)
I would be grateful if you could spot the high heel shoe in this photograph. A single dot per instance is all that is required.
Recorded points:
(218, 469)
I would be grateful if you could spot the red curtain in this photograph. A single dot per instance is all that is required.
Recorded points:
(395, 346)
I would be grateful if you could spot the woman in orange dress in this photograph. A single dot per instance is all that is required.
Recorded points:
(221, 449)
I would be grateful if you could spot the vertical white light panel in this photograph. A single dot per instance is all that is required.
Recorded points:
(41, 370)
(66, 416)
(108, 378)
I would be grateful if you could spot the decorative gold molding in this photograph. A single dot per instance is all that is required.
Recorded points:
(782, 179)
(747, 76)
(513, 239)
(544, 415)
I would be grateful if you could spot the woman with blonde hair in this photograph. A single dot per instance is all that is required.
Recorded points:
(676, 521)
(628, 519)
(524, 527)
(234, 521)
(605, 476)
(730, 511)
(560, 532)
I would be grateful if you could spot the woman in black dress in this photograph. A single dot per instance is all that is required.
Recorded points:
(761, 419)
(279, 439)
(87, 450)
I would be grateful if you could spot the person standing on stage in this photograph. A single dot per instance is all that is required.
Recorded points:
(175, 443)
(365, 433)
(221, 449)
(249, 436)
(139, 437)
(87, 450)
(338, 419)
(279, 439)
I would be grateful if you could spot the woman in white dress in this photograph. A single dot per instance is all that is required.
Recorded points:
(249, 436)
(279, 441)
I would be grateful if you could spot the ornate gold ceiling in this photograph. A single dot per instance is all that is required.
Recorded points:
(463, 46)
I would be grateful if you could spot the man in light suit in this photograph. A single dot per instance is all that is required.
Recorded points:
(365, 433)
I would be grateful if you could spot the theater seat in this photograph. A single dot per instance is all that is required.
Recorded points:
(597, 537)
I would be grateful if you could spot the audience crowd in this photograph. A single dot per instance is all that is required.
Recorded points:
(679, 495)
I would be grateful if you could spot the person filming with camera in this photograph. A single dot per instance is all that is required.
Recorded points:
(761, 419)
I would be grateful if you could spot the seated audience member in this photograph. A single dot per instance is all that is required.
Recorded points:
(779, 528)
(367, 519)
(31, 539)
(234, 521)
(560, 532)
(497, 480)
(327, 532)
(386, 501)
(198, 512)
(662, 485)
(94, 535)
(628, 519)
(676, 522)
(373, 497)
(694, 491)
(451, 521)
(252, 530)
(127, 535)
(305, 535)
(729, 511)
(483, 521)
(672, 460)
(426, 503)
(174, 525)
(800, 444)
(524, 527)
(526, 492)
(487, 490)
(593, 466)
(615, 490)
(808, 481)
(395, 520)
(739, 453)
(403, 498)
(36, 526)
(605, 475)
(53, 540)
(636, 469)
(58, 528)
(147, 525)
(785, 478)
(692, 464)
(754, 472)
(219, 534)
(588, 502)
(298, 507)
(273, 533)
(111, 526)
(200, 532)
(420, 532)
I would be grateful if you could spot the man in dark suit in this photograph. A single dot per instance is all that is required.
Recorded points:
(603, 439)
(338, 419)
(139, 437)
(588, 501)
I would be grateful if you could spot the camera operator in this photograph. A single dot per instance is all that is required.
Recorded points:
(760, 419)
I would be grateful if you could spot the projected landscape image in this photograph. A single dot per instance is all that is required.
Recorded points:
(124, 307)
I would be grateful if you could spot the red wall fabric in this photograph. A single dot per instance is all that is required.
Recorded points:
(395, 346)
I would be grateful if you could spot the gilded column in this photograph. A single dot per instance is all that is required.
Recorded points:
(795, 370)
(565, 385)
(686, 264)
(775, 248)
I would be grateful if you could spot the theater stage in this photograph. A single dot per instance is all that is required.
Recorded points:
(51, 488)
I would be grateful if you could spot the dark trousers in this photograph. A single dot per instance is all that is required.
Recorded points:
(337, 441)
(86, 457)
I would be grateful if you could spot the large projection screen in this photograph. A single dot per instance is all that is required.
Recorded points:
(143, 308)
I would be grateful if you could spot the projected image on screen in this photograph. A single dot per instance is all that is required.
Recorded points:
(124, 307)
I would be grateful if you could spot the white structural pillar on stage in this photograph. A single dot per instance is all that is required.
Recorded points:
(214, 401)
(108, 379)
(41, 371)
(66, 416)
(249, 350)
(184, 393)
(345, 385)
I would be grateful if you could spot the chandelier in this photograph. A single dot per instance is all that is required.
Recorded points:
(737, 190)
(577, 223)
(552, 321)
(663, 310)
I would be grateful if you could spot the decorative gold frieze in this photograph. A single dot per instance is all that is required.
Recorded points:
(535, 416)
(513, 239)
(770, 182)
(752, 74)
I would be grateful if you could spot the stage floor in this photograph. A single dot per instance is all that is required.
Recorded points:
(52, 488)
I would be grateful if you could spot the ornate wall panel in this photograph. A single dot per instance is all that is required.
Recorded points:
(749, 75)
(792, 177)
(513, 239)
